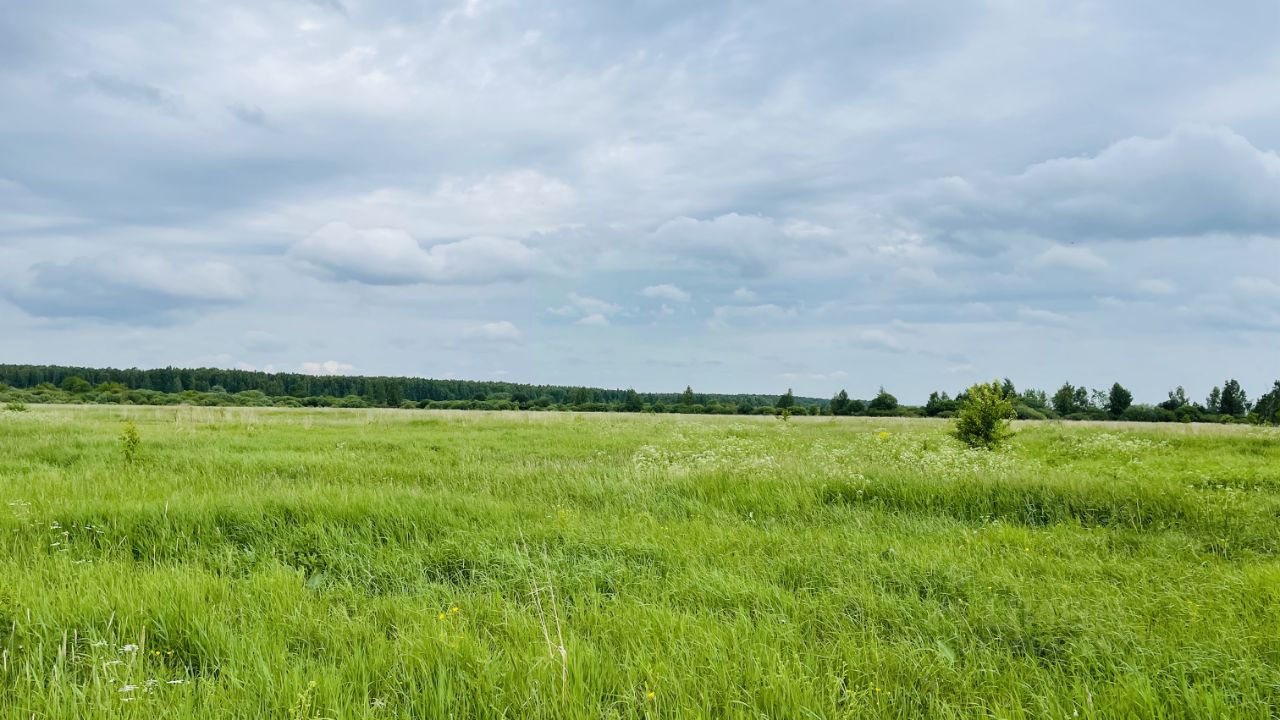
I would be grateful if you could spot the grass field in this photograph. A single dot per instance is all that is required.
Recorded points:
(352, 564)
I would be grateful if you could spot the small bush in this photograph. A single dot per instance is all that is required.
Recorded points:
(15, 406)
(983, 419)
(130, 441)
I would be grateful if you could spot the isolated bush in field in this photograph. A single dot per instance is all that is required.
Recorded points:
(15, 406)
(130, 441)
(983, 419)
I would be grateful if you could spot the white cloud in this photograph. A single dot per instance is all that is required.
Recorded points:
(585, 305)
(879, 339)
(1042, 317)
(328, 367)
(724, 315)
(666, 291)
(499, 331)
(744, 294)
(818, 377)
(596, 319)
(804, 228)
(390, 256)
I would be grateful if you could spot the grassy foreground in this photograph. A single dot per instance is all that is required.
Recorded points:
(381, 563)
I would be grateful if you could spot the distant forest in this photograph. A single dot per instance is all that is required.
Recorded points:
(21, 384)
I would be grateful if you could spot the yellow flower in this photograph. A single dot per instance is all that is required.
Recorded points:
(440, 616)
(883, 435)
(649, 695)
(454, 609)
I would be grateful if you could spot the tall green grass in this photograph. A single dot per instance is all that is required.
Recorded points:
(379, 564)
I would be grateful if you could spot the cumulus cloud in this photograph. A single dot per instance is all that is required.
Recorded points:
(666, 291)
(499, 331)
(1192, 182)
(390, 256)
(725, 315)
(140, 288)
(328, 367)
(594, 319)
(583, 306)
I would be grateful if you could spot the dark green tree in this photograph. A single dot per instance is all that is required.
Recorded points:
(1233, 402)
(883, 402)
(1177, 399)
(1118, 400)
(840, 403)
(631, 401)
(1267, 409)
(687, 398)
(1213, 403)
(1082, 401)
(1064, 400)
(787, 401)
(1035, 399)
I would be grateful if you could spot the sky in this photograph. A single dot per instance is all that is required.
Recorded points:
(737, 196)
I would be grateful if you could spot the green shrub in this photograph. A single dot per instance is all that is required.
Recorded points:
(15, 406)
(983, 419)
(130, 441)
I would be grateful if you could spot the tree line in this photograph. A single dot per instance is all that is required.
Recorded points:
(214, 386)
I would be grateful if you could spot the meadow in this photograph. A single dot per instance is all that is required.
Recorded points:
(293, 563)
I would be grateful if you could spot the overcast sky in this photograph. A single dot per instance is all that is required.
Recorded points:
(741, 196)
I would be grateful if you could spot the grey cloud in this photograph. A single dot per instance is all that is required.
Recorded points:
(248, 114)
(127, 90)
(333, 5)
(390, 256)
(1194, 181)
(127, 289)
(751, 245)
